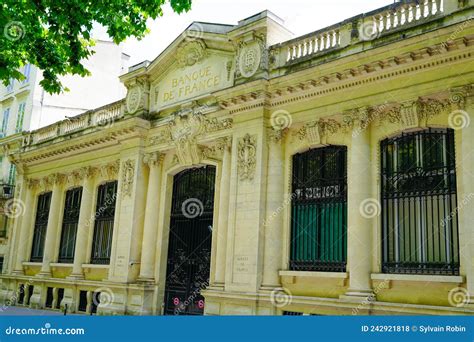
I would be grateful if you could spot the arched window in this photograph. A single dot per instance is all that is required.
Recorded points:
(419, 215)
(319, 210)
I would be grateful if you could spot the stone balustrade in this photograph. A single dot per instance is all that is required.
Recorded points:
(400, 15)
(97, 117)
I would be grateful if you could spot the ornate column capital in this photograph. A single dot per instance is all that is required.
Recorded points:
(57, 179)
(153, 159)
(276, 135)
(32, 183)
(110, 170)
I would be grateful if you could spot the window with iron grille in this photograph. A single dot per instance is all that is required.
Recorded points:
(104, 223)
(69, 229)
(319, 210)
(419, 216)
(41, 223)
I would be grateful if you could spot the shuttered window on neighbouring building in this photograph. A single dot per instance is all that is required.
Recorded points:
(319, 210)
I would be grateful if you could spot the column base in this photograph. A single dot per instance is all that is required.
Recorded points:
(146, 280)
(18, 272)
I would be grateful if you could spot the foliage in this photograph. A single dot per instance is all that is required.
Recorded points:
(56, 35)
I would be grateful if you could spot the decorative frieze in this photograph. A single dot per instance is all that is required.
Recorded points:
(411, 114)
(247, 157)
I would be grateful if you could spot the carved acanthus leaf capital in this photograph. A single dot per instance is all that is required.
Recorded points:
(153, 159)
(110, 170)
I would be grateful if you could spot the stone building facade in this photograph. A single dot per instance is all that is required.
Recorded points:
(245, 173)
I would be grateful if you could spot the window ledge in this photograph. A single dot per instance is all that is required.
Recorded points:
(95, 266)
(60, 264)
(418, 277)
(32, 264)
(337, 275)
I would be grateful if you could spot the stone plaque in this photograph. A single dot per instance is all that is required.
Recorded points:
(183, 83)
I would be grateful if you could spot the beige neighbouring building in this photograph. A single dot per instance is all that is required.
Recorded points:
(251, 173)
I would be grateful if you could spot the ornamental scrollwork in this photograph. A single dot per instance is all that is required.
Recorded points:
(128, 174)
(247, 157)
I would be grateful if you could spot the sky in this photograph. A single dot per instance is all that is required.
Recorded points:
(300, 16)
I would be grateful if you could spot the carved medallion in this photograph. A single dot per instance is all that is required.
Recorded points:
(249, 58)
(246, 153)
(133, 99)
(191, 53)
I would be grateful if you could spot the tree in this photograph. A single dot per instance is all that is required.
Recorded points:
(55, 35)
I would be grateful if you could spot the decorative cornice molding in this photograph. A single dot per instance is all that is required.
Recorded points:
(305, 90)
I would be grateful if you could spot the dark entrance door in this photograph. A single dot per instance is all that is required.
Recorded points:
(189, 249)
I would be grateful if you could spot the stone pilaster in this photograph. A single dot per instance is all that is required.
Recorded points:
(26, 226)
(86, 220)
(54, 224)
(273, 224)
(359, 226)
(219, 276)
(147, 263)
(463, 121)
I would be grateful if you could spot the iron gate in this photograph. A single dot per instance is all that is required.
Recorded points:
(189, 249)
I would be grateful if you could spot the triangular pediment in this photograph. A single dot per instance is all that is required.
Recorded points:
(196, 69)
